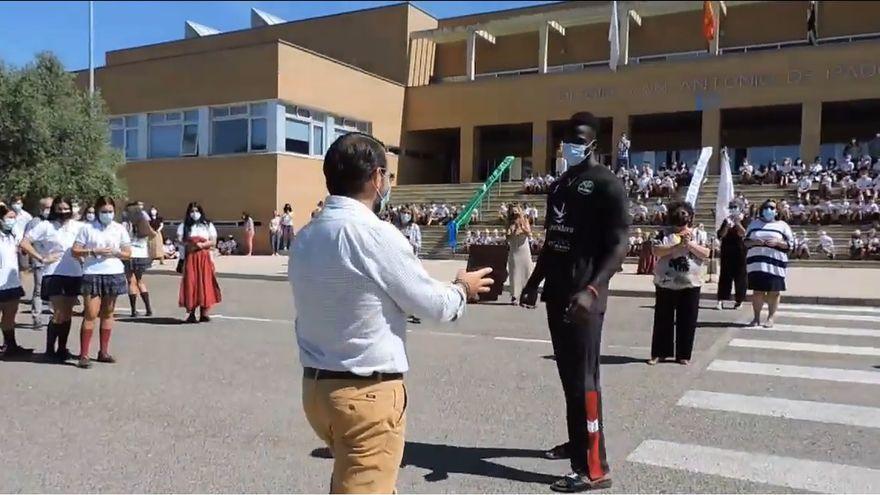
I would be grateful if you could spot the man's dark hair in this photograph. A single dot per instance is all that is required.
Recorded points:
(584, 118)
(676, 205)
(351, 161)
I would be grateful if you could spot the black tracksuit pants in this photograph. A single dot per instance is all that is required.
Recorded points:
(576, 349)
(675, 322)
(733, 273)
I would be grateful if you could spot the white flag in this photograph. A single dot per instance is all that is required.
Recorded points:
(614, 37)
(725, 191)
(697, 179)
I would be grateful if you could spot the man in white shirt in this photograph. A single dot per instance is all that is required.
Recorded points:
(803, 187)
(355, 281)
(865, 185)
(847, 186)
(799, 213)
(802, 246)
(826, 245)
(825, 186)
(847, 167)
(640, 213)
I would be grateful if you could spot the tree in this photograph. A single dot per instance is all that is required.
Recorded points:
(54, 138)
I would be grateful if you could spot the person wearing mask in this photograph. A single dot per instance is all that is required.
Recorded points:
(411, 231)
(286, 227)
(733, 258)
(678, 278)
(768, 241)
(623, 151)
(102, 246)
(50, 243)
(90, 216)
(37, 317)
(11, 291)
(248, 223)
(354, 360)
(586, 242)
(198, 287)
(139, 231)
(826, 244)
(519, 256)
(275, 232)
(157, 243)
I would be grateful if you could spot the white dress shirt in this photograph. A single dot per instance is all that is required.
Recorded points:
(9, 275)
(355, 280)
(96, 235)
(53, 238)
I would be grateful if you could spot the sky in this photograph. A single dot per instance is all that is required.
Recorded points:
(27, 28)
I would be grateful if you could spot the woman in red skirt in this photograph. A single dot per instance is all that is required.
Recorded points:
(198, 288)
(647, 260)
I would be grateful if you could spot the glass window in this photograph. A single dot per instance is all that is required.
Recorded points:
(238, 110)
(229, 136)
(219, 112)
(116, 122)
(164, 141)
(131, 143)
(317, 140)
(117, 139)
(258, 134)
(297, 137)
(172, 117)
(191, 115)
(190, 144)
(258, 109)
(131, 121)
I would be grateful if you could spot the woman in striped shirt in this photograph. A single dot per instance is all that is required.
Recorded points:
(768, 241)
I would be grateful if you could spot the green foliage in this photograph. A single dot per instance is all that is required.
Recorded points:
(53, 136)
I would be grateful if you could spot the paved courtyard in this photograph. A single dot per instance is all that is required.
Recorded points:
(215, 407)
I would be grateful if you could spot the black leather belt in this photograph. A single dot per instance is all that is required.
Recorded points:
(347, 375)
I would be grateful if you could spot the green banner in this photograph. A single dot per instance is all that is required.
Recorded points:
(464, 217)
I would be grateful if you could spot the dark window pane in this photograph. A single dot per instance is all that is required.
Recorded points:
(230, 136)
(190, 144)
(258, 134)
(164, 141)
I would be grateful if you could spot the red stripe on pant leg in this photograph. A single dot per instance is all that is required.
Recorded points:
(594, 461)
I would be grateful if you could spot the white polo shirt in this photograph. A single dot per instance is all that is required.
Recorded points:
(864, 183)
(97, 236)
(9, 276)
(51, 238)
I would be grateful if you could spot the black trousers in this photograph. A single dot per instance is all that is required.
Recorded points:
(576, 349)
(675, 322)
(733, 272)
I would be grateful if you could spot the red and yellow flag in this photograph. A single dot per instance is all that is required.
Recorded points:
(708, 21)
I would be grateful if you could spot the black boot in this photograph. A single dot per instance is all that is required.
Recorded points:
(51, 337)
(146, 297)
(132, 301)
(11, 347)
(63, 332)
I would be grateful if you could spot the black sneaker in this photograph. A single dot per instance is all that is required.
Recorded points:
(15, 350)
(558, 452)
(577, 482)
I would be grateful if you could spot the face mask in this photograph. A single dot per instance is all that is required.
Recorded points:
(574, 154)
(8, 224)
(154, 213)
(105, 217)
(195, 215)
(90, 217)
(681, 219)
(383, 199)
(45, 213)
(768, 215)
(75, 210)
(65, 215)
(16, 207)
(406, 217)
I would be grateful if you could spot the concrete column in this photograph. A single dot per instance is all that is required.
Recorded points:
(811, 129)
(468, 151)
(711, 136)
(543, 41)
(471, 55)
(540, 148)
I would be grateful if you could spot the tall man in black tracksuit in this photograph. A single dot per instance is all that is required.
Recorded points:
(586, 241)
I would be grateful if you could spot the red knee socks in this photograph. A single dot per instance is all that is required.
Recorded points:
(85, 339)
(105, 340)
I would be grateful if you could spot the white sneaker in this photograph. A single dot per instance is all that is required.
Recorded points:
(719, 306)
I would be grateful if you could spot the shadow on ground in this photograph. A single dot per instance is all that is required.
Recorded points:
(442, 460)
(610, 359)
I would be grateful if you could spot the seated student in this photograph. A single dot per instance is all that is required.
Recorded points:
(548, 181)
(227, 246)
(784, 211)
(169, 250)
(827, 212)
(640, 212)
(444, 216)
(503, 210)
(528, 184)
(647, 169)
(667, 186)
(644, 186)
(786, 172)
(803, 188)
(865, 185)
(826, 245)
(747, 173)
(772, 176)
(847, 167)
(873, 211)
(760, 174)
(800, 168)
(842, 211)
(660, 211)
(872, 246)
(816, 211)
(847, 187)
(802, 246)
(825, 185)
(856, 246)
(816, 168)
(799, 213)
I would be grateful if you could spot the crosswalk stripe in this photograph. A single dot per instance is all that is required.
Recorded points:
(805, 347)
(833, 309)
(829, 316)
(854, 332)
(517, 339)
(800, 474)
(790, 371)
(823, 412)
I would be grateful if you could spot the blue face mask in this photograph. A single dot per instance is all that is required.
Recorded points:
(105, 218)
(574, 154)
(8, 224)
(768, 215)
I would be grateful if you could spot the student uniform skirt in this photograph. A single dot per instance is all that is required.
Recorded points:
(766, 282)
(60, 285)
(137, 266)
(104, 285)
(12, 294)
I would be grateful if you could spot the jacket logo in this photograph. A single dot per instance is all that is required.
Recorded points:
(559, 214)
(586, 187)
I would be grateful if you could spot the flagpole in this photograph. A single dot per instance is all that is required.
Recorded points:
(91, 47)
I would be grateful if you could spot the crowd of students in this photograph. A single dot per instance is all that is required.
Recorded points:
(87, 257)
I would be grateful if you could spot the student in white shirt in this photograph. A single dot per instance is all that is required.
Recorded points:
(803, 187)
(102, 246)
(11, 291)
(198, 287)
(825, 186)
(140, 232)
(856, 246)
(660, 212)
(768, 241)
(287, 234)
(802, 246)
(826, 244)
(799, 213)
(865, 185)
(275, 232)
(50, 243)
(786, 173)
(746, 172)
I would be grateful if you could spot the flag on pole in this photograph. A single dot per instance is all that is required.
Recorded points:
(725, 191)
(708, 21)
(697, 179)
(614, 38)
(812, 29)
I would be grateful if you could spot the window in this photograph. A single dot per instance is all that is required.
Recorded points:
(304, 131)
(173, 134)
(343, 126)
(124, 135)
(239, 128)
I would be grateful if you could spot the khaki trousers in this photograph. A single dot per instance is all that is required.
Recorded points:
(363, 424)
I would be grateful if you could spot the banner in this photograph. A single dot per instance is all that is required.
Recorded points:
(699, 173)
(614, 38)
(725, 191)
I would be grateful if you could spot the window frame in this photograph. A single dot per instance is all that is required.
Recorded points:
(182, 122)
(125, 128)
(306, 116)
(248, 115)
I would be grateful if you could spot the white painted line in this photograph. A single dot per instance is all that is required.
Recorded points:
(789, 371)
(829, 316)
(805, 347)
(444, 334)
(833, 309)
(514, 339)
(250, 318)
(853, 332)
(806, 410)
(800, 474)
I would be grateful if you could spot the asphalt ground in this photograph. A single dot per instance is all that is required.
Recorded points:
(216, 407)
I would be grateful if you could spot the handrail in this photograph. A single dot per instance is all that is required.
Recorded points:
(464, 216)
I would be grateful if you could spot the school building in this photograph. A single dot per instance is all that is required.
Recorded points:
(240, 120)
